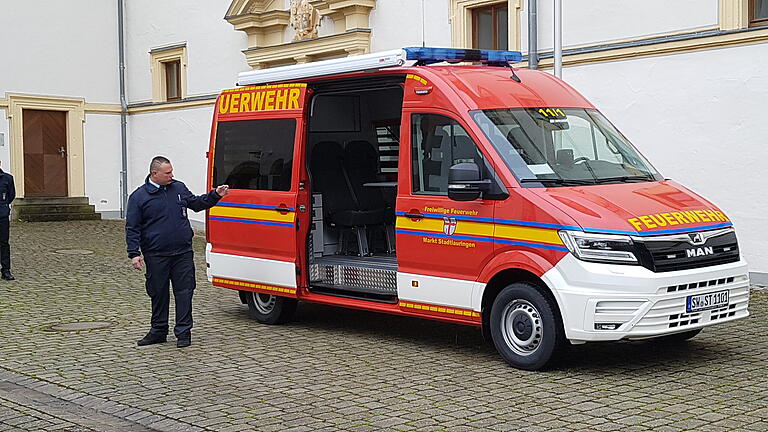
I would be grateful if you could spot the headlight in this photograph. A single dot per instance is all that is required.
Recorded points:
(599, 247)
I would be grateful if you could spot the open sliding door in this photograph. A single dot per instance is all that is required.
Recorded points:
(255, 232)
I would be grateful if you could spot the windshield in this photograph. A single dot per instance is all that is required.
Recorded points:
(563, 147)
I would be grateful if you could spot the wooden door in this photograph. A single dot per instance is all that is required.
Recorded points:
(45, 153)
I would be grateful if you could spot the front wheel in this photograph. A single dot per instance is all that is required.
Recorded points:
(270, 309)
(525, 328)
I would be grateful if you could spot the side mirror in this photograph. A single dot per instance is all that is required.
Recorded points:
(464, 183)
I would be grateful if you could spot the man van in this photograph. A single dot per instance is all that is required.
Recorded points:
(411, 182)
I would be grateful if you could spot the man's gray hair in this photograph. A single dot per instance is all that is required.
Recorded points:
(156, 162)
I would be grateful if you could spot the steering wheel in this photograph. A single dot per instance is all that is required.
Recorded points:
(580, 159)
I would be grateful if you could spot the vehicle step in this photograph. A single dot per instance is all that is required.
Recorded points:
(353, 292)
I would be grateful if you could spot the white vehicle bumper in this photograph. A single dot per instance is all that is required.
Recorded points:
(644, 304)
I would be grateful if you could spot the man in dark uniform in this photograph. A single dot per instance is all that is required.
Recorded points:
(7, 194)
(156, 226)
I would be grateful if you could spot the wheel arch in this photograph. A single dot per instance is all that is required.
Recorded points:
(509, 268)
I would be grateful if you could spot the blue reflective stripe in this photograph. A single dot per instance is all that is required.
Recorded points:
(536, 245)
(537, 224)
(439, 235)
(251, 221)
(458, 217)
(256, 206)
(571, 227)
(483, 239)
(498, 221)
(669, 231)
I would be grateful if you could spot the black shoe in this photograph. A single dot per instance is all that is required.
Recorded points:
(184, 342)
(150, 339)
(7, 275)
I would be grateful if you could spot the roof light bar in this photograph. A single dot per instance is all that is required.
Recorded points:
(375, 61)
(427, 55)
(357, 63)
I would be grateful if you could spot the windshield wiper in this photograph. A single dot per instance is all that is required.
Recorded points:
(559, 181)
(624, 179)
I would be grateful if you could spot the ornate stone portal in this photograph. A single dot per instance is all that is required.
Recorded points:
(265, 22)
(304, 19)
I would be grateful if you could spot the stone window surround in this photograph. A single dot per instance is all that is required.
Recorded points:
(158, 56)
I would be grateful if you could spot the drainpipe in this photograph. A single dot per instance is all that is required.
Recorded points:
(559, 38)
(533, 32)
(123, 113)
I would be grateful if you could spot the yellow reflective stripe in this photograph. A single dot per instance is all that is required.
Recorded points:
(421, 224)
(249, 213)
(255, 285)
(436, 225)
(485, 229)
(474, 228)
(541, 235)
(439, 309)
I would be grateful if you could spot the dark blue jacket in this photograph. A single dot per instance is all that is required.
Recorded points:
(7, 193)
(156, 221)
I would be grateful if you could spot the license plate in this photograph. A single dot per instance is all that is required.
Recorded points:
(702, 302)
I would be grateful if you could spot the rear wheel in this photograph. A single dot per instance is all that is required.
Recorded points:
(270, 309)
(525, 327)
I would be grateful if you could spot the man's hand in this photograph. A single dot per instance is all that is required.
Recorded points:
(222, 190)
(137, 262)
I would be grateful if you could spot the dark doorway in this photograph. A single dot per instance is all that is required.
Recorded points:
(45, 153)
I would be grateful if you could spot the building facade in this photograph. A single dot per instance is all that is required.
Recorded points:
(683, 80)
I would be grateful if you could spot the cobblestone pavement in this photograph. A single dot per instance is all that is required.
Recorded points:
(330, 369)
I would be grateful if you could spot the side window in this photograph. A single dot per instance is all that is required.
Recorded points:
(437, 143)
(254, 154)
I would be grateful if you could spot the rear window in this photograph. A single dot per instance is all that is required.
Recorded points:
(254, 154)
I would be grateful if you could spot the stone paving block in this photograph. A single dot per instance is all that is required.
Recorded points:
(336, 369)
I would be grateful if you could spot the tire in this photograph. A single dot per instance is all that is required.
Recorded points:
(526, 328)
(679, 337)
(270, 309)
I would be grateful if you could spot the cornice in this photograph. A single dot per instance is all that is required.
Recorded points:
(148, 107)
(351, 42)
(96, 108)
(262, 20)
(240, 7)
(656, 46)
(342, 4)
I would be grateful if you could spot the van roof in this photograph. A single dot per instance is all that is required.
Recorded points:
(479, 87)
(488, 87)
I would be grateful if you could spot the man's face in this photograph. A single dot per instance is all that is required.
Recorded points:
(163, 175)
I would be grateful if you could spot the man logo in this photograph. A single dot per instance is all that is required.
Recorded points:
(449, 225)
(697, 252)
(696, 239)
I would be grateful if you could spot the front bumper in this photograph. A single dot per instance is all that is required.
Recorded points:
(644, 304)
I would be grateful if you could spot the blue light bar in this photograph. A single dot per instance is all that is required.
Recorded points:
(427, 55)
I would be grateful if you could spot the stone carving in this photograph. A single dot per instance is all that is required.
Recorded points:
(304, 19)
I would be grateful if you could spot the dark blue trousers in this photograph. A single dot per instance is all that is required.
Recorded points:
(179, 271)
(5, 247)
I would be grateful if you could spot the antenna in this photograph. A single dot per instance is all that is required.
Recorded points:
(423, 20)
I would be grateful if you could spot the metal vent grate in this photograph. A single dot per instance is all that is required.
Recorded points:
(702, 284)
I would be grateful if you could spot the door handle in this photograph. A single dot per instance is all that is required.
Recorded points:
(62, 152)
(416, 215)
(282, 208)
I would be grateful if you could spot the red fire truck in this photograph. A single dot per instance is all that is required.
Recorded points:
(445, 184)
